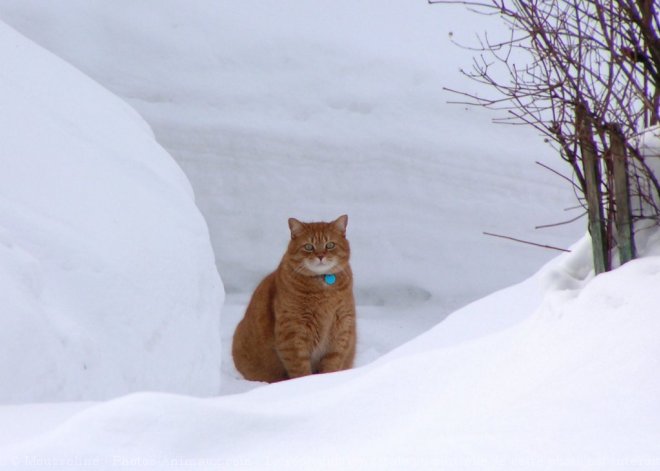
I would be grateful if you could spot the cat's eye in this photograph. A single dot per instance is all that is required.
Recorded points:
(330, 245)
(309, 248)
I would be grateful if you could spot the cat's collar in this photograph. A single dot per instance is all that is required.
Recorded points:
(330, 279)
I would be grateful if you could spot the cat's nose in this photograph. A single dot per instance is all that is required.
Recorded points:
(321, 257)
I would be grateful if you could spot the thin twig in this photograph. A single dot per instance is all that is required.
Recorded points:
(526, 242)
(545, 226)
(558, 174)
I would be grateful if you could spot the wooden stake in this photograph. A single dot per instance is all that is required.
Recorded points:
(592, 176)
(623, 219)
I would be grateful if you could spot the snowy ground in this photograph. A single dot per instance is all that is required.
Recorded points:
(554, 373)
(300, 109)
(285, 109)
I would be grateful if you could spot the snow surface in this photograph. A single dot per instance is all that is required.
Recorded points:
(557, 372)
(316, 109)
(290, 109)
(312, 110)
(107, 280)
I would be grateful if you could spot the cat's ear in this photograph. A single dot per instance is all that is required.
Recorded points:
(296, 227)
(340, 224)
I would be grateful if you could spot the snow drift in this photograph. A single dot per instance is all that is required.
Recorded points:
(110, 271)
(557, 372)
(107, 278)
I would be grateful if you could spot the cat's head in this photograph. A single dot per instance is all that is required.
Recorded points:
(318, 248)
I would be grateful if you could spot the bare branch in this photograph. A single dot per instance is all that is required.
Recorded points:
(526, 242)
(558, 174)
(563, 223)
(565, 63)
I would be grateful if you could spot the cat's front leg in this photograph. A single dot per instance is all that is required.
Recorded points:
(294, 350)
(332, 361)
(341, 348)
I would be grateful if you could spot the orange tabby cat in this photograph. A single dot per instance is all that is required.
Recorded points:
(301, 318)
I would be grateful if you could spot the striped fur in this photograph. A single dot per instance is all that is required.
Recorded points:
(296, 323)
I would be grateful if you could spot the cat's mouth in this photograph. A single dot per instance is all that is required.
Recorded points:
(320, 267)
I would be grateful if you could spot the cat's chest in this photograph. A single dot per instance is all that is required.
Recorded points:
(315, 300)
(324, 300)
(315, 309)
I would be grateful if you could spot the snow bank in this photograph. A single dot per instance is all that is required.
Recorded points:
(558, 372)
(107, 280)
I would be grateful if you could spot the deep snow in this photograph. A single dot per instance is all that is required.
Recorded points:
(554, 373)
(107, 280)
(312, 110)
(317, 114)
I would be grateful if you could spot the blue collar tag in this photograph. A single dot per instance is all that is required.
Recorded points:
(330, 279)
